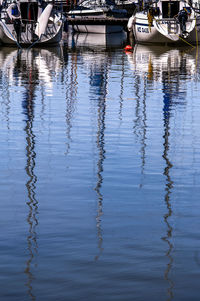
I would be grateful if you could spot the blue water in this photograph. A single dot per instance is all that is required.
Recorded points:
(99, 172)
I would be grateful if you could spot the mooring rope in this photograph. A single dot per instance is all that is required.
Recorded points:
(179, 36)
(33, 44)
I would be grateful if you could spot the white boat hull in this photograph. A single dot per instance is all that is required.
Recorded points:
(33, 25)
(8, 36)
(101, 29)
(144, 33)
(164, 30)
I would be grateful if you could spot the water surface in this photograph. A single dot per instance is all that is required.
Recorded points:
(100, 160)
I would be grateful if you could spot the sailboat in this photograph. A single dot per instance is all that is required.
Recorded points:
(166, 21)
(30, 22)
(97, 16)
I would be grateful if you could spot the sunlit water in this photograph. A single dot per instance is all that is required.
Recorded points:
(99, 161)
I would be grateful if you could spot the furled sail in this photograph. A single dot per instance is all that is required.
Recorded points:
(43, 20)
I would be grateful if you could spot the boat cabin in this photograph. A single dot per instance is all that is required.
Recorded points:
(29, 11)
(170, 9)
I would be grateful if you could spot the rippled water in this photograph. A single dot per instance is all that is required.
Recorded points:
(100, 161)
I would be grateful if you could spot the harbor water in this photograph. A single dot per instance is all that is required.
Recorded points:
(100, 163)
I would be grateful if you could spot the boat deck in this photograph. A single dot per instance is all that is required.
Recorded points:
(97, 21)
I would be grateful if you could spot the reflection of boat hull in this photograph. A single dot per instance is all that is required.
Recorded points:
(97, 40)
(42, 60)
(153, 60)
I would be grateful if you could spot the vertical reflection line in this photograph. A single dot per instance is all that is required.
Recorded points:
(101, 152)
(140, 125)
(121, 89)
(74, 82)
(5, 96)
(137, 107)
(143, 135)
(42, 103)
(71, 93)
(168, 189)
(7, 103)
(32, 204)
(31, 183)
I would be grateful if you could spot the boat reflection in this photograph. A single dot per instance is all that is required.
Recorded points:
(91, 40)
(46, 63)
(151, 61)
(31, 70)
(168, 66)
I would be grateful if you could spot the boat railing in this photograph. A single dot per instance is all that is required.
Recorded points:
(171, 20)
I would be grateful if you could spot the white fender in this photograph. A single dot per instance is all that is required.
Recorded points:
(43, 20)
(130, 23)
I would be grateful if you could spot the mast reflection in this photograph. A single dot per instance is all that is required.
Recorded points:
(140, 125)
(28, 110)
(98, 82)
(122, 88)
(4, 86)
(169, 183)
(71, 93)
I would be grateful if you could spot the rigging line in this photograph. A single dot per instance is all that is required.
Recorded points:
(33, 44)
(187, 42)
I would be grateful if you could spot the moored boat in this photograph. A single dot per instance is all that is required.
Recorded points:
(166, 22)
(97, 16)
(29, 22)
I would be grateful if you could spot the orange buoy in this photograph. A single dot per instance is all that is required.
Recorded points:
(128, 48)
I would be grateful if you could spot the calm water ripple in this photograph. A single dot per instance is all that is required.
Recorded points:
(100, 160)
